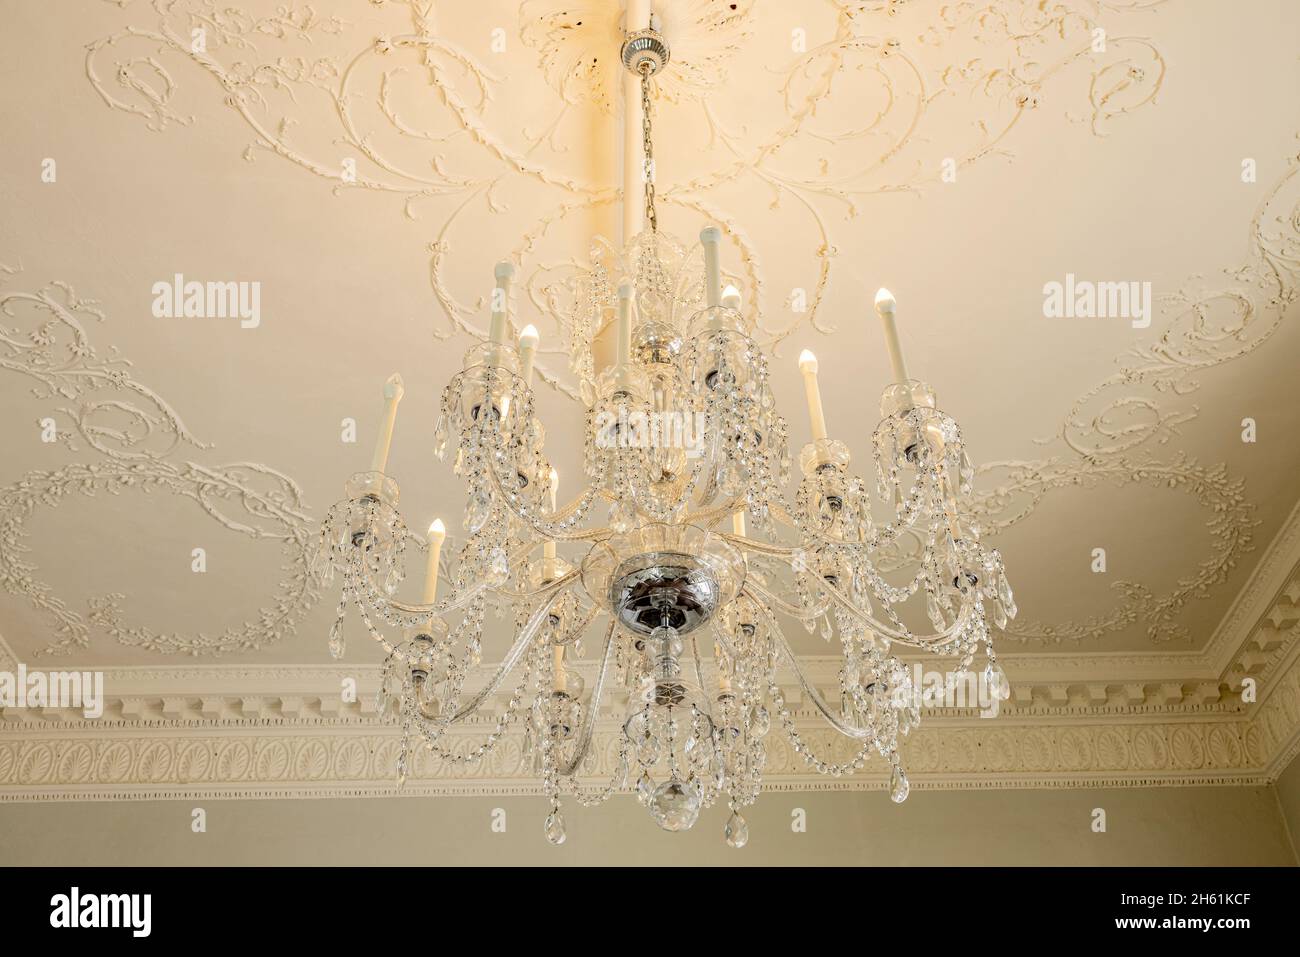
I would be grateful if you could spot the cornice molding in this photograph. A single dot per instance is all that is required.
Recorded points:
(333, 759)
(292, 747)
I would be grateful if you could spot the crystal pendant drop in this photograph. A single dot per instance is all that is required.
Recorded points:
(645, 788)
(554, 828)
(935, 612)
(675, 805)
(995, 679)
(1004, 595)
(737, 830)
(440, 439)
(477, 512)
(898, 786)
(620, 517)
(999, 614)
(500, 568)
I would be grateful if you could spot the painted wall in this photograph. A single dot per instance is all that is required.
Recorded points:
(1288, 798)
(1158, 826)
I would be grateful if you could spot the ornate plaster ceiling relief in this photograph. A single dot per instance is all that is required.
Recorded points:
(450, 135)
(132, 431)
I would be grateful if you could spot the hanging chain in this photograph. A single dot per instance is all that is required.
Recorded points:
(648, 169)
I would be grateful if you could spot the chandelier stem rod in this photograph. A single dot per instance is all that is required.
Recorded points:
(637, 18)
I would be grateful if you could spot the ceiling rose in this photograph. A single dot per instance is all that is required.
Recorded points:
(690, 540)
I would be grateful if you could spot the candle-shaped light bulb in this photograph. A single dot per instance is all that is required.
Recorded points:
(504, 272)
(885, 309)
(711, 238)
(731, 298)
(623, 345)
(437, 534)
(528, 340)
(393, 392)
(808, 366)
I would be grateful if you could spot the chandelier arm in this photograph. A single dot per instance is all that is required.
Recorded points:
(881, 537)
(819, 703)
(723, 639)
(590, 615)
(801, 747)
(589, 719)
(615, 781)
(547, 529)
(641, 494)
(372, 596)
(517, 650)
(716, 513)
(783, 606)
(929, 642)
(432, 730)
(745, 543)
(520, 554)
(802, 613)
(935, 642)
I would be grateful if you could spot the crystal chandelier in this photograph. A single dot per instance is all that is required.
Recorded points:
(687, 540)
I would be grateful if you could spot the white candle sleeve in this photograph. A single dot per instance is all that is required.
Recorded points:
(393, 392)
(886, 308)
(711, 238)
(816, 418)
(528, 340)
(501, 302)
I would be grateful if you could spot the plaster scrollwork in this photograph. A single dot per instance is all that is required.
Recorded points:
(1000, 60)
(49, 343)
(1023, 485)
(134, 430)
(1112, 426)
(989, 86)
(1209, 324)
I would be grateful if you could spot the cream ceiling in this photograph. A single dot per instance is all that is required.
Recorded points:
(821, 136)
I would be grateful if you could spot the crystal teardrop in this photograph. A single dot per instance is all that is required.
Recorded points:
(737, 830)
(645, 788)
(898, 786)
(554, 828)
(995, 679)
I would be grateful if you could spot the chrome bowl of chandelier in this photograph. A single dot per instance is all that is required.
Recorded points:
(685, 556)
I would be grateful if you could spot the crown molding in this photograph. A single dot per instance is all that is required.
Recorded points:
(297, 746)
